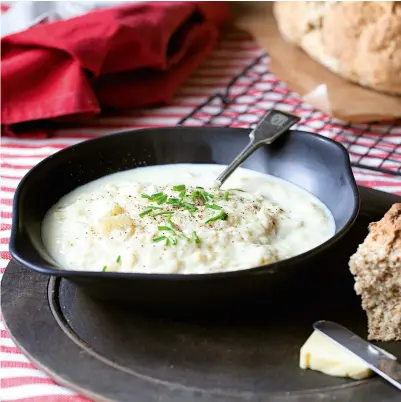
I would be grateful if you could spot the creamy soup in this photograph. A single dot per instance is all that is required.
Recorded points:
(170, 219)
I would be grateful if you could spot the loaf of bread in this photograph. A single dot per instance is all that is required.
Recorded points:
(377, 269)
(359, 40)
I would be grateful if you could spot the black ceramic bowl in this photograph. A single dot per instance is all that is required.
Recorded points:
(310, 161)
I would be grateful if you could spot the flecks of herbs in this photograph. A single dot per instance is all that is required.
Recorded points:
(195, 237)
(163, 213)
(213, 206)
(187, 201)
(181, 187)
(147, 211)
(222, 216)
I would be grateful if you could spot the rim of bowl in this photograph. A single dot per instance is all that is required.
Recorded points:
(55, 271)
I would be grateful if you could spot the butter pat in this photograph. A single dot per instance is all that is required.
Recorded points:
(319, 353)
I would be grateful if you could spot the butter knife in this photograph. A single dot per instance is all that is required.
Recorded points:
(378, 360)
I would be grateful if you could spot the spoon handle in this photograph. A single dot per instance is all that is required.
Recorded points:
(239, 159)
(272, 125)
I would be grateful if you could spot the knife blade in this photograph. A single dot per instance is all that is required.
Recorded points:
(378, 360)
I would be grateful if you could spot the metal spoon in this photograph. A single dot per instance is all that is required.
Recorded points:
(272, 125)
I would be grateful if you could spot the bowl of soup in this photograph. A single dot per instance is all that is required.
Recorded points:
(135, 216)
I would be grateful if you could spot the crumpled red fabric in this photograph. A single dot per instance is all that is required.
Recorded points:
(118, 58)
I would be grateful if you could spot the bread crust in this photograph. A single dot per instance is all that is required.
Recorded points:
(376, 267)
(360, 41)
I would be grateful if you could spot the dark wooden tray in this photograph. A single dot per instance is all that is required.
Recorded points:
(249, 353)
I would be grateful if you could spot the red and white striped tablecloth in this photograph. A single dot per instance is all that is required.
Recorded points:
(20, 380)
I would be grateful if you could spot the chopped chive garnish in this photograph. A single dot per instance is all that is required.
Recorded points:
(156, 196)
(145, 196)
(177, 204)
(163, 228)
(173, 200)
(104, 268)
(162, 199)
(181, 187)
(118, 258)
(201, 188)
(221, 216)
(174, 241)
(184, 236)
(226, 195)
(182, 194)
(147, 211)
(167, 241)
(195, 237)
(213, 206)
(164, 213)
(160, 238)
(173, 225)
(189, 207)
(201, 196)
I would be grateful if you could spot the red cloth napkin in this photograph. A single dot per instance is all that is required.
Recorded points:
(121, 57)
